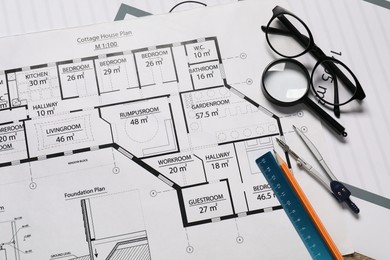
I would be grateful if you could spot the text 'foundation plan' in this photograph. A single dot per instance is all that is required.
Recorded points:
(136, 140)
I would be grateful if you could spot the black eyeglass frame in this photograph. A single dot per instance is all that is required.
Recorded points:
(309, 46)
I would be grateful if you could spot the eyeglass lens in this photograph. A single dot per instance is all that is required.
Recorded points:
(328, 86)
(288, 27)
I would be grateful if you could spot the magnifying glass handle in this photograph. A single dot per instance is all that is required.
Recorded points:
(339, 129)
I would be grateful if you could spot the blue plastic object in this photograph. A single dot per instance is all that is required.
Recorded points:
(293, 207)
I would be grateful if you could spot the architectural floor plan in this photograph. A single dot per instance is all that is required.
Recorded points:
(137, 142)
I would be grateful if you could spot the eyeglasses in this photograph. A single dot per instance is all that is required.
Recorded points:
(332, 82)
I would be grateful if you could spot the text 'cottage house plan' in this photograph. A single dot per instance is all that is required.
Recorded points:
(99, 142)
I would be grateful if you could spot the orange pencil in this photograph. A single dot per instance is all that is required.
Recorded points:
(310, 210)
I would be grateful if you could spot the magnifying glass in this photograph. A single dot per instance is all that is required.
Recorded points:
(286, 82)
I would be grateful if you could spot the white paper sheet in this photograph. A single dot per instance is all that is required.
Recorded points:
(139, 137)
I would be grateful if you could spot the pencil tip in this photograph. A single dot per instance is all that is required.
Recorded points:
(277, 157)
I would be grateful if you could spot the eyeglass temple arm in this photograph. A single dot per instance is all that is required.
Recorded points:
(278, 31)
(318, 54)
(336, 108)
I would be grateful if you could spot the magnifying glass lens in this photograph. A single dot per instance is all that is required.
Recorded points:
(285, 82)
